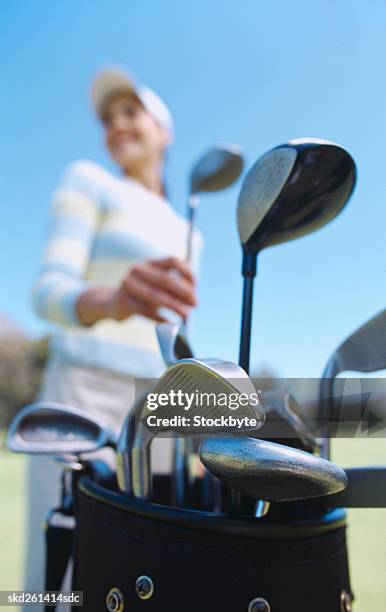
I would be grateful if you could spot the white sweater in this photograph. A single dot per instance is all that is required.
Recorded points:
(101, 225)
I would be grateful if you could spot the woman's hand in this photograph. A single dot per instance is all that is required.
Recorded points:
(148, 286)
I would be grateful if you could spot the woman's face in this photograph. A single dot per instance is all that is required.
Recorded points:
(132, 135)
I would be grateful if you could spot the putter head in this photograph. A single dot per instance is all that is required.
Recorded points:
(293, 190)
(51, 428)
(172, 342)
(217, 169)
(268, 471)
(209, 377)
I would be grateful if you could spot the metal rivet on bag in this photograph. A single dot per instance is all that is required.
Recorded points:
(345, 601)
(115, 601)
(144, 587)
(259, 605)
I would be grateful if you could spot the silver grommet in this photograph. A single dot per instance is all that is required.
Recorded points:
(115, 601)
(144, 587)
(259, 604)
(345, 601)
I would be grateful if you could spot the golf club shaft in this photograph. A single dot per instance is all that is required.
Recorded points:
(246, 322)
(249, 273)
(181, 467)
(193, 202)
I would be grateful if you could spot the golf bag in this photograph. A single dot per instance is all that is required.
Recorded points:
(133, 555)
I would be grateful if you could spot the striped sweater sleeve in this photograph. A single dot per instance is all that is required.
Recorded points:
(74, 220)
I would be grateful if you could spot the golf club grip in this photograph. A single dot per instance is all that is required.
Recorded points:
(366, 489)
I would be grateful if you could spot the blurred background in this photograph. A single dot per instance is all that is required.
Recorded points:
(253, 73)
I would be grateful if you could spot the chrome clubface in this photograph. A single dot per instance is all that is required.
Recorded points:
(50, 428)
(269, 471)
(292, 191)
(217, 169)
(197, 378)
(212, 378)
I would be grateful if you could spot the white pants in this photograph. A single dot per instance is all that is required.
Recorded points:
(105, 394)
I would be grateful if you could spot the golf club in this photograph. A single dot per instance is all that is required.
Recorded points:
(193, 378)
(366, 489)
(291, 191)
(284, 420)
(363, 351)
(214, 171)
(174, 347)
(268, 471)
(124, 446)
(51, 428)
(173, 343)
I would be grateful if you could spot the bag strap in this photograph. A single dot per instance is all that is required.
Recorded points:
(59, 536)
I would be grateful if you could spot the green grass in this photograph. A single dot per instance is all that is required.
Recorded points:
(366, 532)
(11, 520)
(366, 529)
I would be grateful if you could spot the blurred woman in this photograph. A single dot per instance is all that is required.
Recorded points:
(113, 267)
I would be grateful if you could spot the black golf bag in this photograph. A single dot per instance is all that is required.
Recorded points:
(130, 555)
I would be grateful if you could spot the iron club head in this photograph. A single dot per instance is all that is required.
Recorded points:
(363, 351)
(269, 471)
(53, 429)
(196, 378)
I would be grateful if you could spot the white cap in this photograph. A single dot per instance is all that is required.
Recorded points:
(114, 80)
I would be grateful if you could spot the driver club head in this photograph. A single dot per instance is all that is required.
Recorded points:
(293, 190)
(217, 169)
(269, 471)
(51, 428)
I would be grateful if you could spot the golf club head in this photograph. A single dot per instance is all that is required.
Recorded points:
(51, 428)
(293, 190)
(172, 342)
(217, 169)
(284, 421)
(209, 377)
(268, 471)
(363, 351)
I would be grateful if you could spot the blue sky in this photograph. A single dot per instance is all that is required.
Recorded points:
(256, 73)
